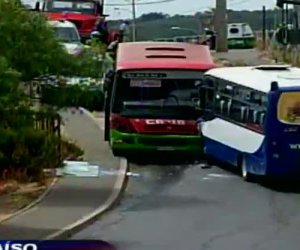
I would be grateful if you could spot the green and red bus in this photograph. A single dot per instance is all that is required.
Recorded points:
(151, 104)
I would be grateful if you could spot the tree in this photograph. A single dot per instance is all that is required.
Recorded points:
(28, 49)
(9, 79)
(27, 43)
(153, 16)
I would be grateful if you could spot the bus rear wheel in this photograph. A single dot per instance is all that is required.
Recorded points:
(244, 172)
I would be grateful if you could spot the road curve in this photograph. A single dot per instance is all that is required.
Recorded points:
(192, 208)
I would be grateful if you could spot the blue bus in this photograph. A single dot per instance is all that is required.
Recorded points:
(252, 119)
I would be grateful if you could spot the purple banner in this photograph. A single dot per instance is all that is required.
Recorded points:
(56, 245)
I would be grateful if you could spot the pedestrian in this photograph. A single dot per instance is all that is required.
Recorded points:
(101, 27)
(123, 30)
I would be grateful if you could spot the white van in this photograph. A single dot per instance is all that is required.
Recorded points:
(67, 33)
(240, 35)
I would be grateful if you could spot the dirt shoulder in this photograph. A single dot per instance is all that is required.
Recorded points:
(242, 57)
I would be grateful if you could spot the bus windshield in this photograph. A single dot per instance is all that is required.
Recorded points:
(289, 108)
(84, 7)
(163, 98)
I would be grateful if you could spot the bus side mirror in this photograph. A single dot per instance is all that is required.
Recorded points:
(106, 85)
(196, 102)
(37, 6)
(99, 9)
(274, 86)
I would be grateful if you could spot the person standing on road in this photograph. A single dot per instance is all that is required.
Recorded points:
(101, 27)
(124, 31)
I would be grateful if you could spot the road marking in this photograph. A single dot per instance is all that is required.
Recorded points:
(206, 178)
(214, 176)
(221, 175)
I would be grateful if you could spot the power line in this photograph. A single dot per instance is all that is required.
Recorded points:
(238, 2)
(142, 3)
(196, 9)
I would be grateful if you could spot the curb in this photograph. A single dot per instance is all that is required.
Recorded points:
(115, 196)
(32, 204)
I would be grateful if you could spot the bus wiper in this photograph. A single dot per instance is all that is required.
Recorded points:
(134, 104)
(157, 104)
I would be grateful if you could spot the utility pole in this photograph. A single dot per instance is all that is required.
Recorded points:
(264, 26)
(221, 25)
(297, 16)
(133, 21)
(275, 19)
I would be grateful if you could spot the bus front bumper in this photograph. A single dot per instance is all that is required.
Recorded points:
(138, 143)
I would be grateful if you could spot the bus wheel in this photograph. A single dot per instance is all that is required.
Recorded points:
(245, 174)
(117, 153)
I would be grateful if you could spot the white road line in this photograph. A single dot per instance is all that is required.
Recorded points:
(221, 175)
(206, 178)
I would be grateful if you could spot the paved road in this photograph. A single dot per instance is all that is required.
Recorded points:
(187, 207)
(247, 56)
(192, 208)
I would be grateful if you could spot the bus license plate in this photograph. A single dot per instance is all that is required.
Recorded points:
(165, 148)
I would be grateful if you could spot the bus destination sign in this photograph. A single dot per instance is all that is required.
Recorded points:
(147, 75)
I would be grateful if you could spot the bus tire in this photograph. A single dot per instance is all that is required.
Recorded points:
(118, 153)
(244, 172)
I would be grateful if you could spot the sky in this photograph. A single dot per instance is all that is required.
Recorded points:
(173, 7)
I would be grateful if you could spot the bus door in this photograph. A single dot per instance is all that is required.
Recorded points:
(284, 141)
(108, 85)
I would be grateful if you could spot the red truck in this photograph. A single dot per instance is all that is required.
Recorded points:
(83, 13)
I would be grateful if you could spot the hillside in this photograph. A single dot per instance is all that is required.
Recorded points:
(158, 25)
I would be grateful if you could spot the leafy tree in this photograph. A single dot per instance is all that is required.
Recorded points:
(9, 82)
(28, 49)
(153, 16)
(28, 44)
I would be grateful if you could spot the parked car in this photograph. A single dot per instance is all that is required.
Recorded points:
(67, 33)
(240, 36)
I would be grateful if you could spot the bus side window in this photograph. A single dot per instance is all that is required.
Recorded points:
(262, 118)
(255, 119)
(222, 105)
(207, 94)
(256, 116)
(225, 88)
(244, 114)
(238, 111)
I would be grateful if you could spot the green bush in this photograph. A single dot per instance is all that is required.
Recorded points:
(29, 149)
(71, 151)
(91, 98)
(28, 142)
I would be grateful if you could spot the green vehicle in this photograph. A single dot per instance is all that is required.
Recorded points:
(151, 106)
(240, 36)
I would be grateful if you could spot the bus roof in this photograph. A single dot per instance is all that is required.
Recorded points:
(163, 55)
(259, 77)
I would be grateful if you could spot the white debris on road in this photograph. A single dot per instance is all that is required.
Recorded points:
(83, 169)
